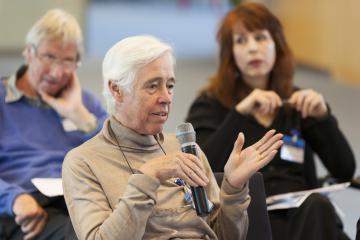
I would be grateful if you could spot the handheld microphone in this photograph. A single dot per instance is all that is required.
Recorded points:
(186, 136)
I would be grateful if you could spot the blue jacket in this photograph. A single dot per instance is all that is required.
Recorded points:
(33, 142)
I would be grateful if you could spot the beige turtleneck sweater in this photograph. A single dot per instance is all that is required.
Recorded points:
(106, 201)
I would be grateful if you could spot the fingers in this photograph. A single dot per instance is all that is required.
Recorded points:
(268, 101)
(312, 105)
(24, 220)
(274, 147)
(50, 100)
(297, 99)
(258, 100)
(300, 101)
(32, 224)
(293, 98)
(36, 228)
(309, 102)
(191, 177)
(317, 107)
(74, 82)
(269, 149)
(266, 159)
(275, 102)
(28, 225)
(193, 171)
(306, 97)
(266, 148)
(21, 219)
(239, 143)
(264, 139)
(263, 104)
(269, 144)
(177, 165)
(46, 98)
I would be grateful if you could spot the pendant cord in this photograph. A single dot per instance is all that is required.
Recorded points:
(122, 152)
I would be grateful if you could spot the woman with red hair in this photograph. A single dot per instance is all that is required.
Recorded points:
(253, 91)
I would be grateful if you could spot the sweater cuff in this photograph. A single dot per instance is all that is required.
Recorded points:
(145, 184)
(232, 194)
(328, 119)
(325, 123)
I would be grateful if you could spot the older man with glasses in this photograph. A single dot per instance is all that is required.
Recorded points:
(43, 114)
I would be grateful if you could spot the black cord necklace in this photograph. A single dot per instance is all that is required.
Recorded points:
(122, 152)
(177, 181)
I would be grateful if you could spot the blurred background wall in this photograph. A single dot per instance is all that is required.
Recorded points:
(324, 34)
(17, 16)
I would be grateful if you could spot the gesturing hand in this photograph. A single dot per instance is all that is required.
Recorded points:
(309, 102)
(69, 105)
(29, 215)
(261, 101)
(242, 164)
(69, 100)
(177, 165)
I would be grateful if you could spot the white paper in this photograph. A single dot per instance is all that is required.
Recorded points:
(68, 125)
(50, 187)
(295, 199)
(292, 202)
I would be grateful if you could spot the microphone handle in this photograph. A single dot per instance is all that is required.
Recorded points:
(198, 193)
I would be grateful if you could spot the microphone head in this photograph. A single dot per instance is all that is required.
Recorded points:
(185, 133)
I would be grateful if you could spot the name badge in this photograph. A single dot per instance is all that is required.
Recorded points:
(293, 148)
(68, 125)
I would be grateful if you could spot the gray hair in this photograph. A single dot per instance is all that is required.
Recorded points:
(58, 25)
(122, 62)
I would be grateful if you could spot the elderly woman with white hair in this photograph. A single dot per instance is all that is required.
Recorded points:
(131, 181)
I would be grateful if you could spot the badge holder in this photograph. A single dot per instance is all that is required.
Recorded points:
(293, 147)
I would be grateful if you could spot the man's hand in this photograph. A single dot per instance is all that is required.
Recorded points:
(242, 164)
(29, 215)
(69, 105)
(309, 102)
(177, 165)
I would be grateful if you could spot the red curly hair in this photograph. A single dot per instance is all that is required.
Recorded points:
(227, 84)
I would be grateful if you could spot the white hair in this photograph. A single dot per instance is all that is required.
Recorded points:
(122, 62)
(58, 25)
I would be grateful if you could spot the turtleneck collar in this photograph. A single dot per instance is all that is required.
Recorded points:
(128, 138)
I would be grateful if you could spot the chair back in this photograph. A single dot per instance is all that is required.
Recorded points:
(259, 223)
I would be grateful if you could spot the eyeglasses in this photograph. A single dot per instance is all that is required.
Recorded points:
(49, 59)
